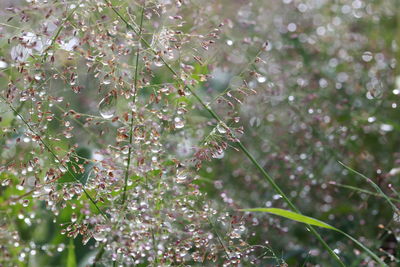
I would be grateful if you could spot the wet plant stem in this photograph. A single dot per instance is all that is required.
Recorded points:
(266, 176)
(133, 104)
(101, 250)
(218, 237)
(53, 40)
(55, 157)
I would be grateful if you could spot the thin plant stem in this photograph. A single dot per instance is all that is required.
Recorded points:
(98, 255)
(132, 114)
(101, 250)
(262, 48)
(266, 176)
(55, 157)
(287, 200)
(362, 191)
(53, 40)
(375, 186)
(218, 237)
(80, 124)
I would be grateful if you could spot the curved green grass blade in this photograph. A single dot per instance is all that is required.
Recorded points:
(71, 257)
(294, 216)
(206, 106)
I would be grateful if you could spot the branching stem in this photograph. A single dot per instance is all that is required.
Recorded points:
(132, 114)
(55, 157)
(266, 176)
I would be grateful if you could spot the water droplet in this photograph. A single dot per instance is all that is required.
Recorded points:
(132, 106)
(292, 27)
(367, 56)
(255, 121)
(125, 150)
(386, 127)
(218, 155)
(156, 149)
(139, 133)
(99, 236)
(262, 79)
(181, 177)
(235, 234)
(191, 227)
(190, 214)
(25, 203)
(396, 216)
(68, 135)
(277, 196)
(67, 196)
(3, 64)
(74, 218)
(107, 106)
(60, 248)
(179, 123)
(63, 169)
(158, 63)
(221, 129)
(6, 182)
(164, 90)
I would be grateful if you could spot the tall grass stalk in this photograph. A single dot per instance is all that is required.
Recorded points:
(133, 103)
(266, 176)
(55, 157)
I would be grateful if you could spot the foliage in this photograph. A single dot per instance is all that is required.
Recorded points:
(136, 132)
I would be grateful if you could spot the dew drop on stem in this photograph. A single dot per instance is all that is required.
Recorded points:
(221, 129)
(179, 123)
(158, 63)
(181, 176)
(367, 56)
(107, 106)
(6, 182)
(261, 79)
(99, 236)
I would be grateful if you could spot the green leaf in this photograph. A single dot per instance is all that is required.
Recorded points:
(71, 259)
(294, 217)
